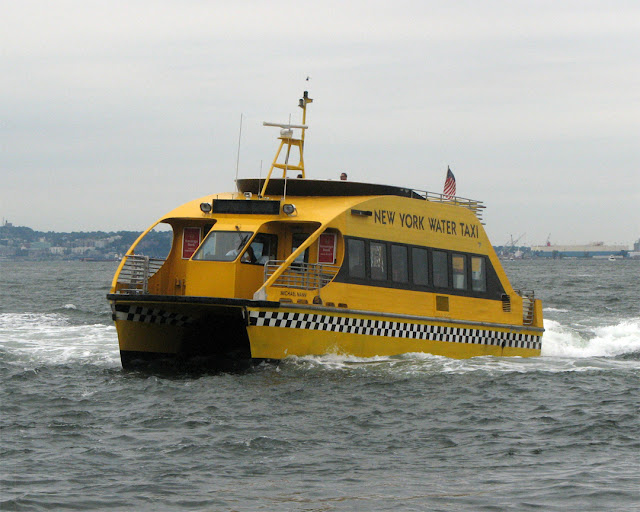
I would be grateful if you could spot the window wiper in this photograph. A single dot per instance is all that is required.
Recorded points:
(243, 241)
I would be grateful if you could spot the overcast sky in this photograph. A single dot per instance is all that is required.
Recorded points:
(114, 112)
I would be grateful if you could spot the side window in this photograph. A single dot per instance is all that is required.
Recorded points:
(478, 274)
(458, 262)
(355, 249)
(420, 266)
(440, 269)
(263, 248)
(378, 255)
(399, 266)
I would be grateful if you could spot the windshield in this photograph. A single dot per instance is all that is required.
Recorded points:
(222, 245)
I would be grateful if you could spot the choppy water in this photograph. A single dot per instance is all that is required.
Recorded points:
(417, 432)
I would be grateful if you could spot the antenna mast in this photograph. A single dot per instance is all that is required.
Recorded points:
(286, 138)
(238, 157)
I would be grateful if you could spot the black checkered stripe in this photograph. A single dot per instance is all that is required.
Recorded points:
(393, 329)
(148, 315)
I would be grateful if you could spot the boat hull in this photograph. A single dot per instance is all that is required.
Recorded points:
(276, 334)
(228, 333)
(180, 331)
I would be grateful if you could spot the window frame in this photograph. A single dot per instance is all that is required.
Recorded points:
(483, 261)
(384, 275)
(364, 258)
(493, 286)
(393, 263)
(465, 271)
(212, 234)
(412, 280)
(447, 259)
(248, 246)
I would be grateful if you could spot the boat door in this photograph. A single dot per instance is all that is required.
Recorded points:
(297, 239)
(263, 247)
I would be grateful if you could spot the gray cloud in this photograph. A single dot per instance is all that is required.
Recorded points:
(115, 112)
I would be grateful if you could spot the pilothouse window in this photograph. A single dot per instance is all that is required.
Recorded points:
(222, 245)
(263, 248)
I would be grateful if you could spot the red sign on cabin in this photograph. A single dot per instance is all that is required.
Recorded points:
(327, 248)
(190, 242)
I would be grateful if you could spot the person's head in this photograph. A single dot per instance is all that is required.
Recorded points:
(343, 176)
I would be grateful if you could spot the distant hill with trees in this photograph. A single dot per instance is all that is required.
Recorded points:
(18, 242)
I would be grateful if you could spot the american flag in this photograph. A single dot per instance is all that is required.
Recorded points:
(450, 185)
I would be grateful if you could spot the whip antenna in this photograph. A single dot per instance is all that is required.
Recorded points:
(238, 157)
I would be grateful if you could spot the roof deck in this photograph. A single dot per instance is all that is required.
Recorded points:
(337, 188)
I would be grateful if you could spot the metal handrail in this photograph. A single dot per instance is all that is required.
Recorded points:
(528, 305)
(136, 272)
(472, 204)
(305, 276)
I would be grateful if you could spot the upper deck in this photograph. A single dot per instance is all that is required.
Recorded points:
(301, 187)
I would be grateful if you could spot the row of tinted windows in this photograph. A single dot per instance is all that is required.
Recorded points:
(415, 266)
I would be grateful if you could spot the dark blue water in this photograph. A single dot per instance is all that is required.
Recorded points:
(417, 432)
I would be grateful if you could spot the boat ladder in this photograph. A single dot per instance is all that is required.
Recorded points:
(528, 306)
(136, 272)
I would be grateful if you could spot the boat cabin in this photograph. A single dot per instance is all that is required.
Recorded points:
(343, 247)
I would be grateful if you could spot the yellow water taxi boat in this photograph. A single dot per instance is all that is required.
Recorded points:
(289, 266)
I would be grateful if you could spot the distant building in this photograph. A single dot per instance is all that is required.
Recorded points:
(40, 246)
(594, 250)
(80, 250)
(6, 251)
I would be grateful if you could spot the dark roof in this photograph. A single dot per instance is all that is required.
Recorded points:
(325, 188)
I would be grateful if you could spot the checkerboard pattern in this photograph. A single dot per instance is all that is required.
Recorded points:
(148, 315)
(393, 329)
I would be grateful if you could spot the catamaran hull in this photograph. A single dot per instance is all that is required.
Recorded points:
(229, 333)
(181, 331)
